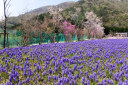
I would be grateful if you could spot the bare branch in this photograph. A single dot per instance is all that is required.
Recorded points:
(7, 10)
(4, 1)
(6, 7)
(7, 3)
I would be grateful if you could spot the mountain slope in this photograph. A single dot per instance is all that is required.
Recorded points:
(46, 8)
(15, 20)
(113, 12)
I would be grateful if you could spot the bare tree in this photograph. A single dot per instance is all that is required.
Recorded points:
(30, 27)
(36, 28)
(80, 33)
(6, 7)
(25, 30)
(50, 29)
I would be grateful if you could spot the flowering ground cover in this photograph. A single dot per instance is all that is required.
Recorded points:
(94, 62)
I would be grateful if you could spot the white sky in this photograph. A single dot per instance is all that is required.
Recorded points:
(20, 6)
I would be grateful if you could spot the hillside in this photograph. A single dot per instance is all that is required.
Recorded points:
(114, 13)
(12, 21)
(46, 8)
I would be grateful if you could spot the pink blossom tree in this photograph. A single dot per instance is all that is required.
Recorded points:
(68, 30)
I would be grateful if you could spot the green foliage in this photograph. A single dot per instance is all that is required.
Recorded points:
(114, 29)
(42, 16)
(113, 14)
(4, 75)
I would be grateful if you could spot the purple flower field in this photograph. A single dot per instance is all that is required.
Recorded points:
(94, 62)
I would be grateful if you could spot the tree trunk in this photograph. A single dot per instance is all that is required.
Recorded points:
(78, 37)
(5, 6)
(57, 38)
(7, 41)
(51, 39)
(66, 38)
(40, 39)
(89, 34)
(4, 34)
(25, 40)
(54, 37)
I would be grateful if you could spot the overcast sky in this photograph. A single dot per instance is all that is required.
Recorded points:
(20, 6)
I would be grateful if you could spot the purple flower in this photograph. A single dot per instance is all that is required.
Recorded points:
(27, 80)
(44, 73)
(3, 58)
(88, 82)
(74, 67)
(19, 83)
(49, 78)
(83, 80)
(81, 72)
(8, 83)
(80, 67)
(120, 82)
(74, 82)
(50, 71)
(54, 77)
(38, 67)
